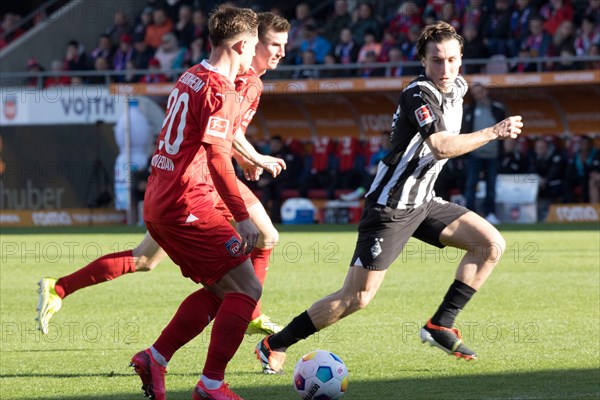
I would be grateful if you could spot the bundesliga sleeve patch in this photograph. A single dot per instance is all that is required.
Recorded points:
(217, 127)
(234, 247)
(424, 115)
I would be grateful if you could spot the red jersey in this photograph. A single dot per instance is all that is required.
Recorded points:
(201, 110)
(249, 87)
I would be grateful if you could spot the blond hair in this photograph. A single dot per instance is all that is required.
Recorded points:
(227, 22)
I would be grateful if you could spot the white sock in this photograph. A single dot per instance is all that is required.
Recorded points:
(211, 384)
(158, 357)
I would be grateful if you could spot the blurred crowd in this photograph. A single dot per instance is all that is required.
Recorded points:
(173, 34)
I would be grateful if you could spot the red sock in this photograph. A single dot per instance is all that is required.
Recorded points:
(260, 262)
(192, 316)
(227, 333)
(100, 270)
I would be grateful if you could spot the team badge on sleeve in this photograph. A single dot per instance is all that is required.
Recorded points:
(217, 127)
(234, 246)
(424, 115)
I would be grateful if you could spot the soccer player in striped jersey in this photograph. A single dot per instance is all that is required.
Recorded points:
(401, 204)
(272, 32)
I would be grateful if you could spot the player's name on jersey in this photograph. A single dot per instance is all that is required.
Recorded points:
(191, 80)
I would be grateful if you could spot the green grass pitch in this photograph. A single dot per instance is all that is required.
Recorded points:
(535, 324)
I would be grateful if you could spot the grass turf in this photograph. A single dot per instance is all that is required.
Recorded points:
(535, 324)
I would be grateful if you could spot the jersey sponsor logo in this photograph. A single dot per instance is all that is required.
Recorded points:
(424, 115)
(234, 246)
(217, 127)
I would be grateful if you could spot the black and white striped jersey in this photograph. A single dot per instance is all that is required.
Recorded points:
(405, 177)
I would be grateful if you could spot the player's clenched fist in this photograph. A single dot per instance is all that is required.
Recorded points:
(509, 127)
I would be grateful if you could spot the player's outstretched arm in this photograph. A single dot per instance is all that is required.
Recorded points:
(445, 145)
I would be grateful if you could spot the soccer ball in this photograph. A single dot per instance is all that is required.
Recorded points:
(320, 375)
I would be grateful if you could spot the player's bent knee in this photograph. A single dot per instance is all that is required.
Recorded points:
(496, 246)
(359, 300)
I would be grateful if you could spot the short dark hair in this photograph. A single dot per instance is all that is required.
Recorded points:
(267, 21)
(439, 32)
(228, 22)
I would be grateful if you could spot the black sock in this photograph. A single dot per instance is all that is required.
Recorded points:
(455, 300)
(300, 328)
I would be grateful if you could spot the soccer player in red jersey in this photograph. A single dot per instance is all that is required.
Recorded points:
(180, 211)
(148, 254)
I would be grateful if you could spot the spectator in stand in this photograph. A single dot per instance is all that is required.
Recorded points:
(57, 66)
(555, 12)
(9, 22)
(512, 160)
(409, 51)
(119, 28)
(330, 73)
(184, 28)
(272, 189)
(371, 71)
(594, 182)
(523, 65)
(340, 19)
(105, 49)
(579, 167)
(474, 14)
(123, 55)
(314, 42)
(406, 16)
(593, 11)
(161, 25)
(200, 26)
(169, 54)
(304, 71)
(564, 37)
(538, 42)
(346, 50)
(519, 24)
(34, 67)
(594, 51)
(365, 22)
(196, 52)
(547, 162)
(451, 16)
(144, 22)
(496, 28)
(567, 60)
(100, 64)
(75, 58)
(587, 36)
(388, 43)
(142, 53)
(481, 113)
(131, 75)
(396, 58)
(155, 75)
(370, 45)
(473, 48)
(296, 34)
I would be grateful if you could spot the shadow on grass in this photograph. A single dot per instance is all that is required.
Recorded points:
(546, 385)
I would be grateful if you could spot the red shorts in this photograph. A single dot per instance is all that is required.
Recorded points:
(205, 250)
(248, 196)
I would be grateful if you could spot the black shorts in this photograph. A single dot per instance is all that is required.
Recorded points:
(383, 231)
